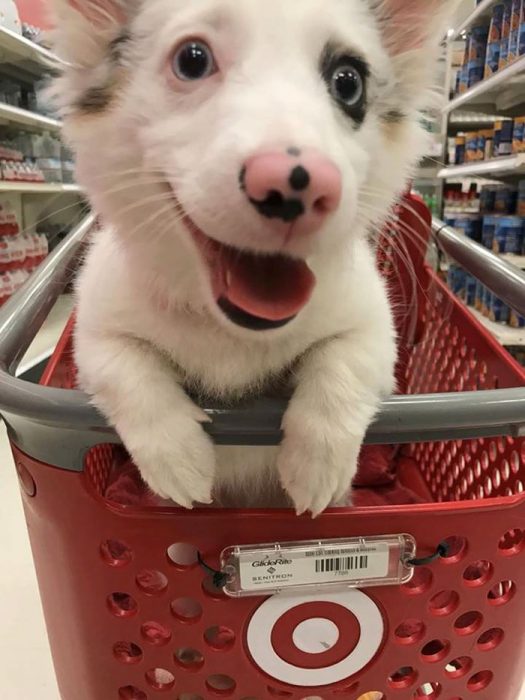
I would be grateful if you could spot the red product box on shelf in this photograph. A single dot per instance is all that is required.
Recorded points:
(9, 225)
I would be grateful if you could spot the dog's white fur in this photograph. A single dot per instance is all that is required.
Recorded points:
(148, 326)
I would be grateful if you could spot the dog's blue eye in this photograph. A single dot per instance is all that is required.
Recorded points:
(347, 86)
(346, 77)
(194, 61)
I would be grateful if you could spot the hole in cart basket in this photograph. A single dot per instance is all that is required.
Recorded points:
(435, 650)
(512, 543)
(221, 684)
(410, 631)
(115, 553)
(491, 639)
(190, 659)
(183, 555)
(160, 679)
(459, 667)
(457, 549)
(219, 638)
(152, 582)
(127, 653)
(348, 690)
(444, 603)
(403, 678)
(502, 593)
(430, 691)
(480, 681)
(420, 583)
(372, 695)
(122, 605)
(186, 610)
(468, 623)
(277, 693)
(211, 590)
(129, 692)
(478, 573)
(156, 634)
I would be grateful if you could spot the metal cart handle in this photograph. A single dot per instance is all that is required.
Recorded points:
(57, 426)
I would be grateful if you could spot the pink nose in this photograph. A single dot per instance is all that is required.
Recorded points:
(293, 187)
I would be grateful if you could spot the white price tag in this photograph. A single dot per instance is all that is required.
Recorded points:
(352, 562)
(320, 565)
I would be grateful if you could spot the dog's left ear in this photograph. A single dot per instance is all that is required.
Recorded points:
(83, 29)
(100, 13)
(409, 25)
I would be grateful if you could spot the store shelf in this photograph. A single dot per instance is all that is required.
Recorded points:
(504, 334)
(21, 52)
(501, 91)
(517, 260)
(496, 167)
(29, 120)
(459, 211)
(39, 188)
(480, 15)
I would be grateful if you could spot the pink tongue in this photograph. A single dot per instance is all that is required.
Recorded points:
(274, 288)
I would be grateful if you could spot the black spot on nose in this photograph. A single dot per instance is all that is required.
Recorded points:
(242, 178)
(275, 206)
(299, 179)
(293, 151)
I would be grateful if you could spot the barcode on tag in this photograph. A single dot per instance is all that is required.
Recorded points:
(341, 564)
(291, 567)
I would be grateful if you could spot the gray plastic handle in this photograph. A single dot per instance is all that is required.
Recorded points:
(57, 426)
(505, 280)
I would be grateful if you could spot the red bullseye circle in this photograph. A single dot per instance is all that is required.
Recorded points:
(314, 640)
(344, 620)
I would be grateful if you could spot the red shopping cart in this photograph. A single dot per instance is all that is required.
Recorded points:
(132, 614)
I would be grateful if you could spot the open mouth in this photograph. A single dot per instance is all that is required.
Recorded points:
(255, 291)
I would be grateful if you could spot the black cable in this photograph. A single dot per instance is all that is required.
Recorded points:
(441, 552)
(219, 578)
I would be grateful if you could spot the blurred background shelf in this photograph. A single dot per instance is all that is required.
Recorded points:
(39, 188)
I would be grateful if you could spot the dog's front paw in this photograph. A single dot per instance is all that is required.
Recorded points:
(176, 459)
(316, 464)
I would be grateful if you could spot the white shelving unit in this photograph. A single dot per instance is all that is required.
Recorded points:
(504, 334)
(501, 95)
(39, 188)
(29, 120)
(43, 207)
(28, 61)
(494, 168)
(481, 12)
(500, 92)
(22, 52)
(518, 260)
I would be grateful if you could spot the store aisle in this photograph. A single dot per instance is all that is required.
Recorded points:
(27, 671)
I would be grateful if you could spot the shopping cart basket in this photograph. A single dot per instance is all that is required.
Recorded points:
(133, 615)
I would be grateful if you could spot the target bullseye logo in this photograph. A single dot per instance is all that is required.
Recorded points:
(315, 640)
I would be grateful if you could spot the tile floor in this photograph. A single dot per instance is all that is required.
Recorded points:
(26, 671)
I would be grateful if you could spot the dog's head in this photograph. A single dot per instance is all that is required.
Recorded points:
(239, 146)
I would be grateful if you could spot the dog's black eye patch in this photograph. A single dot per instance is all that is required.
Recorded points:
(346, 77)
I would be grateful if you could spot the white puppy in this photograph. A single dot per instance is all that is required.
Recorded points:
(238, 153)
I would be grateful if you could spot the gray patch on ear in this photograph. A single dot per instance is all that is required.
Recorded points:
(117, 46)
(95, 100)
(98, 98)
